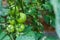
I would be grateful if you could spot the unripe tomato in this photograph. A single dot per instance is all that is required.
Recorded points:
(20, 27)
(22, 18)
(10, 28)
(12, 12)
(12, 22)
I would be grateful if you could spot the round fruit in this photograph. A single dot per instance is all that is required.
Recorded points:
(10, 28)
(20, 27)
(22, 18)
(12, 22)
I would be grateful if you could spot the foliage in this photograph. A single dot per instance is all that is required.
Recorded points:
(33, 11)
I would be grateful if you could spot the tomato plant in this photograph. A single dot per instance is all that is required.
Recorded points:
(26, 20)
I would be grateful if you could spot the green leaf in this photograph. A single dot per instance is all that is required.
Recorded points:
(52, 19)
(28, 29)
(51, 38)
(52, 22)
(38, 35)
(0, 5)
(2, 35)
(47, 19)
(32, 11)
(26, 2)
(29, 36)
(4, 12)
(48, 6)
(2, 19)
(7, 38)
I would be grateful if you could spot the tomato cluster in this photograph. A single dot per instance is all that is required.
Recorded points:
(19, 26)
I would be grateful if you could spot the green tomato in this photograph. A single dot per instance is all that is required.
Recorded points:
(12, 22)
(22, 18)
(12, 12)
(10, 28)
(20, 27)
